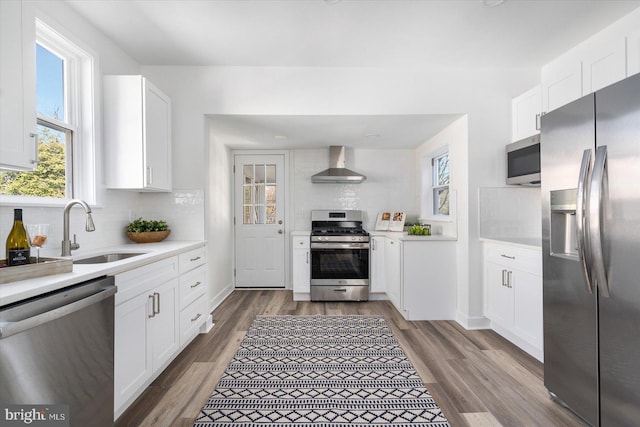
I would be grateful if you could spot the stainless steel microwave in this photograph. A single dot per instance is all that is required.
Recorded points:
(523, 162)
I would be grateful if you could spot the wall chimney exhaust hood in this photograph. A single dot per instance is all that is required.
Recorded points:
(337, 172)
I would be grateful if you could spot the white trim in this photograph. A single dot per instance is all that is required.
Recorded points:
(472, 323)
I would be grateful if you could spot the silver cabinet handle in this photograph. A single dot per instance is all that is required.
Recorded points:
(507, 256)
(196, 318)
(509, 273)
(307, 257)
(598, 184)
(195, 285)
(36, 157)
(504, 279)
(153, 306)
(194, 259)
(581, 229)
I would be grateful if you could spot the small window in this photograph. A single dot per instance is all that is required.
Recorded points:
(440, 184)
(63, 91)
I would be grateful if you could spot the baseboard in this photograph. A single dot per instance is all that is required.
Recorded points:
(302, 296)
(471, 323)
(378, 296)
(208, 325)
(217, 299)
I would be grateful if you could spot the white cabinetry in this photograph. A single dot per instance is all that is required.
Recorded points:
(513, 286)
(377, 274)
(392, 262)
(301, 267)
(525, 110)
(18, 144)
(137, 134)
(561, 82)
(420, 276)
(633, 53)
(146, 331)
(193, 287)
(604, 63)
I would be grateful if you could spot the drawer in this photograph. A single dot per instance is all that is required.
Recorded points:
(191, 318)
(301, 242)
(192, 259)
(528, 260)
(192, 285)
(134, 282)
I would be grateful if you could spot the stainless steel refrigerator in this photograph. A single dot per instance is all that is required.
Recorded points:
(590, 170)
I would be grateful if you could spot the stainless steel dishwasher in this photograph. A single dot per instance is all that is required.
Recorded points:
(58, 349)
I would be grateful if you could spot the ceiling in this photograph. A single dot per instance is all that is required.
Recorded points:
(346, 33)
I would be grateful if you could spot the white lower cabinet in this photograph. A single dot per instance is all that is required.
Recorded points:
(146, 328)
(301, 267)
(419, 276)
(159, 309)
(393, 277)
(377, 271)
(513, 285)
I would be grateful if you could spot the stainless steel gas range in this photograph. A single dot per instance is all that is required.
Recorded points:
(339, 256)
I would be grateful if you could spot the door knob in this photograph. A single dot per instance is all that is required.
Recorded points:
(280, 231)
(279, 221)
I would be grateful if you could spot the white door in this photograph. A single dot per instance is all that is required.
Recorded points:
(259, 220)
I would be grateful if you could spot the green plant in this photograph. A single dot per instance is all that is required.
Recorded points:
(142, 225)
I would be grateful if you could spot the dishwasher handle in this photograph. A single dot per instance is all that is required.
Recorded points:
(12, 328)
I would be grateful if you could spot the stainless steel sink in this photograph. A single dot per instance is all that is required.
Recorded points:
(104, 258)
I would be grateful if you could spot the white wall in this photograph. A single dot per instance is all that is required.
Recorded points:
(483, 94)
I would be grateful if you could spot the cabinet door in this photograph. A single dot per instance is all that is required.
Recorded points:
(633, 53)
(132, 355)
(524, 111)
(603, 64)
(561, 83)
(527, 321)
(18, 144)
(301, 267)
(499, 294)
(377, 276)
(157, 138)
(164, 326)
(392, 252)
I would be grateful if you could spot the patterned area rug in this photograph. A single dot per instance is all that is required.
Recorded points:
(320, 371)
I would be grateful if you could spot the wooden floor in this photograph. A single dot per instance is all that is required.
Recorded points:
(477, 377)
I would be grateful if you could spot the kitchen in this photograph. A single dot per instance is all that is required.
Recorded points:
(476, 100)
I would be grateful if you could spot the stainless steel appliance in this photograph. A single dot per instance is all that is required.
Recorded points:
(523, 162)
(591, 254)
(337, 172)
(58, 349)
(339, 256)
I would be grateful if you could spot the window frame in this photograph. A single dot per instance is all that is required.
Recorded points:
(79, 118)
(428, 207)
(436, 188)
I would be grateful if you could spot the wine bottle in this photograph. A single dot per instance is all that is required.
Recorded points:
(17, 242)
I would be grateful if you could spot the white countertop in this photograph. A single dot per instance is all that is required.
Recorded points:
(525, 242)
(403, 235)
(16, 291)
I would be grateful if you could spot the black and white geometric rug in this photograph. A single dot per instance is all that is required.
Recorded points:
(320, 371)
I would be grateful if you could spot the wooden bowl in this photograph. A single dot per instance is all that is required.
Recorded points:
(148, 236)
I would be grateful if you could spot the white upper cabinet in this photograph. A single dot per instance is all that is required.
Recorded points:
(18, 121)
(525, 110)
(604, 63)
(137, 133)
(561, 82)
(633, 52)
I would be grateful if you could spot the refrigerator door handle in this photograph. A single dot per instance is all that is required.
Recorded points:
(595, 219)
(581, 206)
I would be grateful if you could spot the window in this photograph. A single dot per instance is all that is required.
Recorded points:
(440, 184)
(65, 135)
(259, 188)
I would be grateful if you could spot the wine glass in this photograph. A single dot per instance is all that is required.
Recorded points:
(38, 236)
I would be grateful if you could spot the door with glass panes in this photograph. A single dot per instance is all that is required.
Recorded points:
(259, 221)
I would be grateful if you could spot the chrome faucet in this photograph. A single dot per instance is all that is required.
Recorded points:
(67, 246)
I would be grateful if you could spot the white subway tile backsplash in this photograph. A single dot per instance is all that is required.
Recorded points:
(510, 212)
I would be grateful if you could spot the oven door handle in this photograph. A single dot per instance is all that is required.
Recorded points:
(317, 245)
